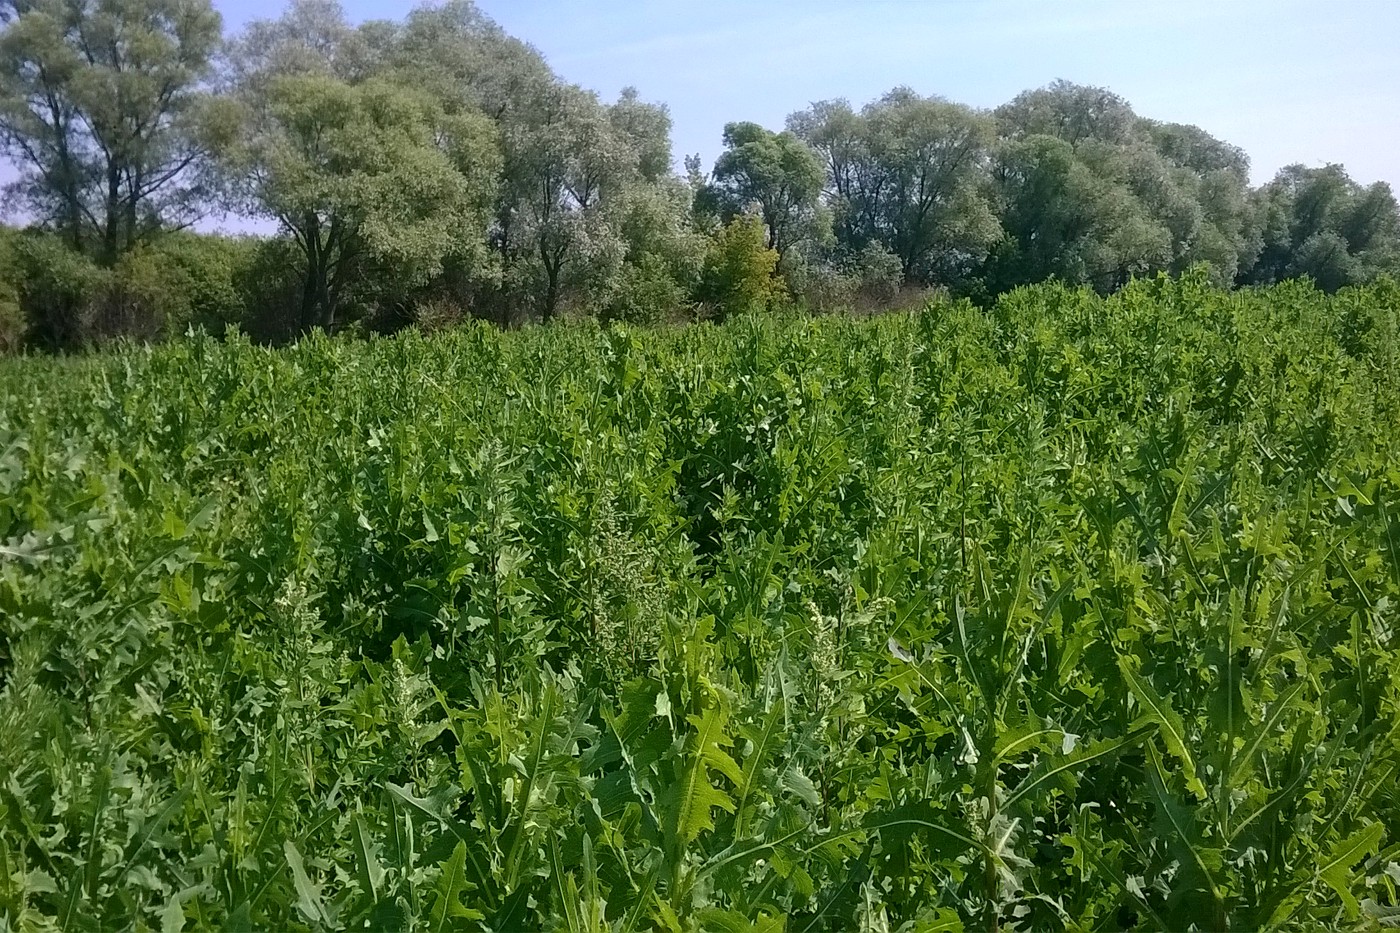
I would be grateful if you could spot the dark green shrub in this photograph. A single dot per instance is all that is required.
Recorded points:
(60, 292)
(12, 323)
(648, 292)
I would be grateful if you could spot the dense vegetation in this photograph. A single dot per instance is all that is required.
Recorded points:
(433, 169)
(1076, 613)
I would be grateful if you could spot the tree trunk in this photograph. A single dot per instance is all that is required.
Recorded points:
(313, 285)
(111, 235)
(553, 263)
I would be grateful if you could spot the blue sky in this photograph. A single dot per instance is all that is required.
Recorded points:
(1287, 80)
(1310, 81)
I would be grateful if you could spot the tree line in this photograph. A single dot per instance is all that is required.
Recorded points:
(434, 168)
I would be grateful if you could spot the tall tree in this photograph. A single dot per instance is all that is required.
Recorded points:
(1131, 196)
(647, 128)
(99, 104)
(908, 173)
(359, 162)
(1215, 175)
(1075, 113)
(1318, 222)
(1062, 219)
(372, 174)
(457, 52)
(564, 164)
(777, 175)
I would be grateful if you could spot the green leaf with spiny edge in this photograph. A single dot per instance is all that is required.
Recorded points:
(1194, 890)
(1335, 869)
(308, 896)
(764, 741)
(1170, 726)
(689, 800)
(448, 911)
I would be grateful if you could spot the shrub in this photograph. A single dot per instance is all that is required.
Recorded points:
(823, 288)
(204, 275)
(12, 324)
(435, 314)
(60, 292)
(271, 288)
(648, 292)
(740, 271)
(865, 281)
(878, 273)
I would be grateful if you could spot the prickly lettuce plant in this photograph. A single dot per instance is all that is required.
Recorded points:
(1077, 613)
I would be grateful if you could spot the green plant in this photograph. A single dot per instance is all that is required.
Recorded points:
(740, 271)
(1076, 613)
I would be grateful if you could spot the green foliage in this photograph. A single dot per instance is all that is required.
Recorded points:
(158, 289)
(908, 174)
(1319, 224)
(740, 270)
(647, 293)
(433, 169)
(372, 176)
(1077, 613)
(871, 279)
(61, 293)
(775, 175)
(100, 109)
(12, 323)
(180, 281)
(1090, 193)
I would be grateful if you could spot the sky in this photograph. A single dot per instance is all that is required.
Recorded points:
(1311, 81)
(1286, 80)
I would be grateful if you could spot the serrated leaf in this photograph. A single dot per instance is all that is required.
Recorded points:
(1170, 726)
(308, 896)
(898, 825)
(800, 786)
(172, 917)
(1184, 838)
(764, 742)
(1335, 869)
(689, 800)
(451, 885)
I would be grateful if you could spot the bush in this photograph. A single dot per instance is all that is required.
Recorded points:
(823, 288)
(436, 314)
(740, 271)
(55, 298)
(12, 324)
(200, 280)
(648, 292)
(866, 281)
(160, 289)
(271, 288)
(878, 273)
(60, 292)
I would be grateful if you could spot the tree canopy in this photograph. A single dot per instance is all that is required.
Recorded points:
(99, 103)
(437, 167)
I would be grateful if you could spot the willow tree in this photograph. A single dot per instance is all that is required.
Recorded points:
(776, 176)
(364, 174)
(101, 108)
(908, 173)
